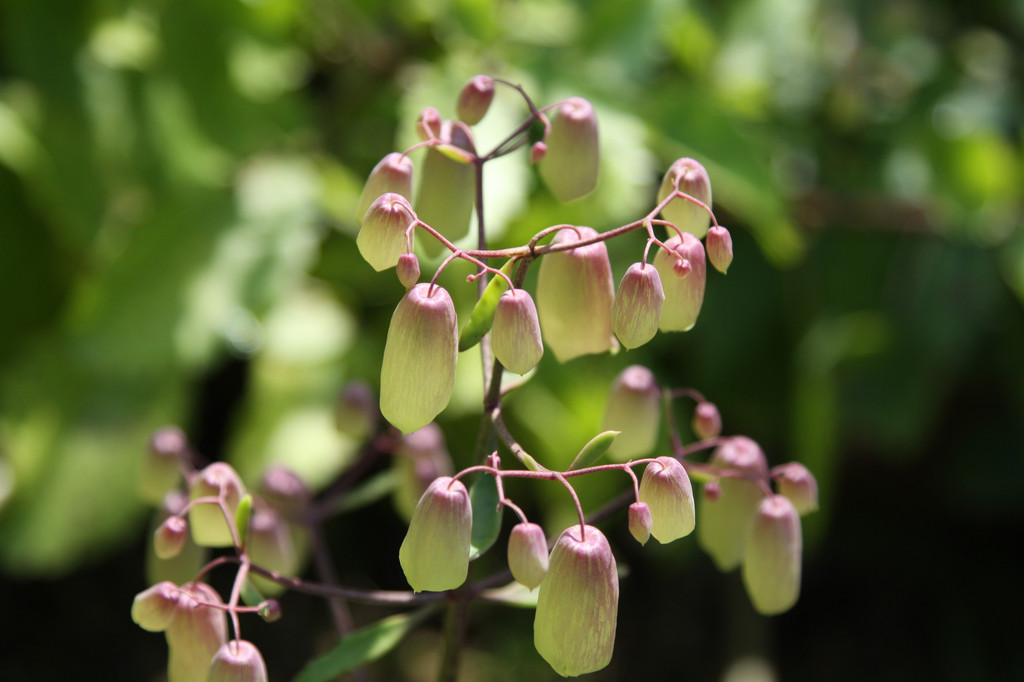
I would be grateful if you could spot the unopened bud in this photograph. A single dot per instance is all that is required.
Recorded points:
(169, 538)
(633, 409)
(719, 248)
(408, 270)
(640, 522)
(447, 189)
(209, 527)
(153, 608)
(537, 151)
(724, 522)
(285, 491)
(428, 124)
(420, 457)
(692, 180)
(435, 552)
(475, 99)
(515, 334)
(570, 166)
(771, 564)
(356, 412)
(666, 489)
(271, 611)
(161, 470)
(707, 422)
(381, 239)
(195, 633)
(391, 175)
(637, 308)
(797, 483)
(528, 554)
(237, 661)
(684, 288)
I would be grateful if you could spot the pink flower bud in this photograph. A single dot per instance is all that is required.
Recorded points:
(720, 248)
(418, 370)
(186, 563)
(237, 661)
(771, 563)
(269, 544)
(391, 175)
(207, 521)
(153, 609)
(724, 522)
(435, 552)
(428, 124)
(169, 538)
(537, 151)
(161, 470)
(285, 491)
(574, 625)
(381, 239)
(684, 291)
(195, 633)
(640, 522)
(447, 189)
(707, 422)
(271, 611)
(693, 180)
(475, 99)
(633, 409)
(666, 489)
(570, 166)
(575, 296)
(528, 554)
(515, 334)
(420, 457)
(408, 270)
(356, 412)
(798, 484)
(637, 308)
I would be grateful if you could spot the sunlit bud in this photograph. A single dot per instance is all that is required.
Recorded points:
(428, 124)
(640, 522)
(528, 554)
(720, 248)
(195, 633)
(381, 239)
(356, 412)
(418, 369)
(634, 409)
(209, 526)
(637, 308)
(574, 297)
(271, 611)
(269, 544)
(577, 607)
(183, 566)
(237, 661)
(170, 537)
(724, 522)
(447, 188)
(161, 470)
(707, 422)
(420, 457)
(154, 608)
(684, 289)
(391, 175)
(475, 99)
(666, 489)
(285, 491)
(798, 484)
(537, 151)
(694, 181)
(515, 334)
(771, 564)
(435, 552)
(570, 165)
(408, 270)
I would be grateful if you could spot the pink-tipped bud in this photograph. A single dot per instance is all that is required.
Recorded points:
(577, 608)
(771, 563)
(356, 412)
(640, 522)
(418, 370)
(391, 175)
(719, 248)
(169, 538)
(475, 99)
(528, 554)
(381, 239)
(161, 470)
(408, 270)
(428, 124)
(435, 552)
(537, 151)
(684, 287)
(712, 491)
(153, 609)
(797, 483)
(633, 409)
(285, 491)
(269, 544)
(515, 334)
(271, 611)
(692, 180)
(420, 457)
(570, 166)
(183, 566)
(209, 526)
(637, 308)
(575, 295)
(666, 489)
(447, 187)
(195, 633)
(724, 523)
(237, 661)
(707, 422)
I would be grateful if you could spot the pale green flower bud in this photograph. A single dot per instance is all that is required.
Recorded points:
(207, 521)
(577, 607)
(356, 412)
(719, 248)
(571, 162)
(447, 189)
(666, 489)
(637, 308)
(475, 99)
(797, 483)
(633, 409)
(408, 270)
(684, 286)
(420, 457)
(195, 633)
(725, 519)
(153, 608)
(269, 544)
(418, 370)
(515, 334)
(575, 296)
(771, 564)
(528, 554)
(161, 470)
(537, 151)
(640, 522)
(169, 538)
(237, 661)
(707, 422)
(694, 181)
(381, 239)
(435, 552)
(393, 174)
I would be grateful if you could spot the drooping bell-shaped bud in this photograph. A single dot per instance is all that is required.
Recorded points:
(640, 522)
(797, 483)
(719, 248)
(356, 412)
(724, 522)
(570, 165)
(381, 239)
(195, 633)
(515, 334)
(435, 552)
(183, 566)
(447, 187)
(420, 457)
(666, 489)
(161, 470)
(633, 409)
(408, 270)
(169, 538)
(707, 422)
(684, 286)
(475, 99)
(418, 370)
(528, 554)
(209, 526)
(391, 175)
(237, 661)
(771, 563)
(285, 491)
(537, 151)
(577, 607)
(575, 295)
(153, 608)
(637, 308)
(269, 544)
(693, 180)
(428, 124)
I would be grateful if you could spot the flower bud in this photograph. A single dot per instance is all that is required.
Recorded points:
(637, 308)
(515, 334)
(724, 522)
(435, 552)
(237, 661)
(209, 527)
(771, 563)
(640, 522)
(408, 270)
(707, 422)
(195, 633)
(392, 174)
(693, 180)
(285, 491)
(475, 99)
(271, 611)
(161, 470)
(356, 412)
(420, 457)
(633, 409)
(447, 189)
(577, 607)
(418, 370)
(537, 151)
(428, 124)
(684, 289)
(269, 544)
(719, 248)
(153, 608)
(574, 297)
(186, 563)
(798, 484)
(528, 554)
(381, 239)
(666, 489)
(169, 538)
(570, 165)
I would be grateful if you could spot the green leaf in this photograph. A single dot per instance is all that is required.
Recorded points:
(250, 594)
(483, 495)
(482, 317)
(593, 450)
(531, 463)
(374, 489)
(242, 514)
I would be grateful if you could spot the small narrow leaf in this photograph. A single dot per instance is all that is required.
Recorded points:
(242, 514)
(482, 317)
(593, 450)
(531, 463)
(483, 495)
(376, 488)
